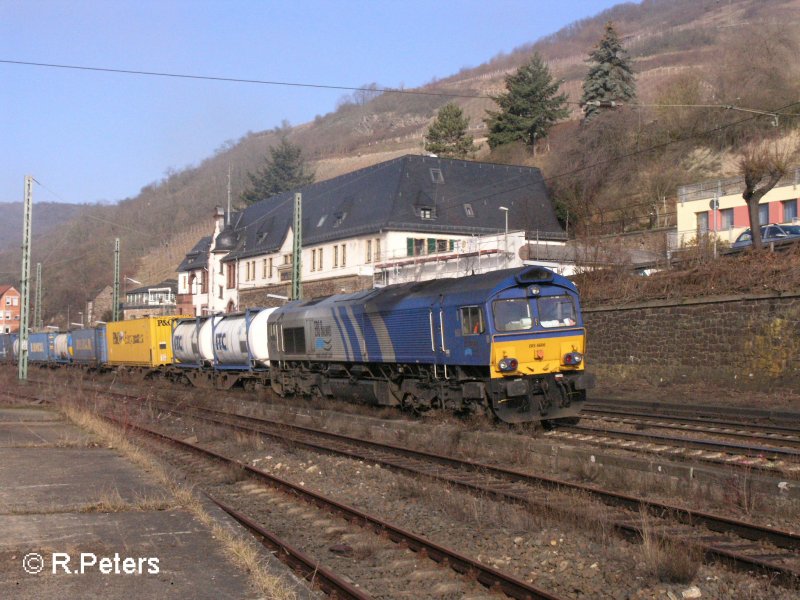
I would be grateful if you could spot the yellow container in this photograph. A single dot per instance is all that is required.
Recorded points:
(143, 342)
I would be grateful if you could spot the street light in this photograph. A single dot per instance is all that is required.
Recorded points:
(125, 291)
(505, 234)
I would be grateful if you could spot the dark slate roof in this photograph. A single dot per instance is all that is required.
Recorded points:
(464, 198)
(197, 258)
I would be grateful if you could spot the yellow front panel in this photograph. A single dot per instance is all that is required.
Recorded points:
(537, 355)
(140, 342)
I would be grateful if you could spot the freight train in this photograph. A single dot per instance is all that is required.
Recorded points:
(509, 344)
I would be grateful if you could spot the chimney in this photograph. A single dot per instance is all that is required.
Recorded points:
(219, 218)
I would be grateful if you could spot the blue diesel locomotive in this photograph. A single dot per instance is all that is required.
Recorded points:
(508, 343)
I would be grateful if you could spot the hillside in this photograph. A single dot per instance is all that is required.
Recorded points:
(47, 215)
(684, 52)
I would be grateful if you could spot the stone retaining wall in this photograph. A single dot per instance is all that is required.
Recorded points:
(745, 342)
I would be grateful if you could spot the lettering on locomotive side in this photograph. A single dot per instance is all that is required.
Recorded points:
(221, 342)
(538, 345)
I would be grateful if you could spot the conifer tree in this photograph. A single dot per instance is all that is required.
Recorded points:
(529, 108)
(285, 169)
(610, 79)
(447, 135)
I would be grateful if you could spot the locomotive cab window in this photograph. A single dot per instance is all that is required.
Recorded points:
(294, 340)
(471, 320)
(556, 311)
(512, 315)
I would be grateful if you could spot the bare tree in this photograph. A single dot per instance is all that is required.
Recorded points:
(762, 165)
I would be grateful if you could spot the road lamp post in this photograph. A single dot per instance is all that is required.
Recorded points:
(125, 292)
(505, 233)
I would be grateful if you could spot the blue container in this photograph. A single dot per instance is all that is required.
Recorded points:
(40, 347)
(90, 346)
(7, 347)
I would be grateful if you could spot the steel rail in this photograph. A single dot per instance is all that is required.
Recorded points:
(782, 539)
(487, 576)
(745, 414)
(311, 570)
(751, 451)
(713, 427)
(712, 549)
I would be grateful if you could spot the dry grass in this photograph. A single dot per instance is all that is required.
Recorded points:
(745, 273)
(243, 552)
(667, 560)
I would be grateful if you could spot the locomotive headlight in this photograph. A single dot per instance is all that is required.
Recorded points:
(573, 359)
(507, 365)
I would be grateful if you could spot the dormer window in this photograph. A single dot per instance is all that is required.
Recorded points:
(427, 212)
(321, 221)
(468, 210)
(436, 176)
(340, 217)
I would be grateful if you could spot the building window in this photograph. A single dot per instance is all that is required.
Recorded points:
(313, 260)
(344, 255)
(377, 249)
(763, 214)
(220, 292)
(320, 260)
(436, 176)
(789, 211)
(426, 213)
(231, 276)
(204, 282)
(368, 257)
(702, 223)
(468, 210)
(270, 267)
(726, 219)
(441, 245)
(264, 268)
(335, 256)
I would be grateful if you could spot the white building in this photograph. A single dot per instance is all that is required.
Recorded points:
(415, 217)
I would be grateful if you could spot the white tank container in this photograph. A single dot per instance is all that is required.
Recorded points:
(233, 338)
(184, 342)
(62, 346)
(193, 343)
(205, 338)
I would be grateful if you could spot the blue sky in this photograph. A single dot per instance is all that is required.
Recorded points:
(89, 136)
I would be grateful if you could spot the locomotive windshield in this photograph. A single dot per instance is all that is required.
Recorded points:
(512, 315)
(551, 311)
(556, 311)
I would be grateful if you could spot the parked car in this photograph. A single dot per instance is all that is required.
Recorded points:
(769, 233)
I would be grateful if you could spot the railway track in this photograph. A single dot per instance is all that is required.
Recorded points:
(470, 568)
(775, 459)
(754, 418)
(782, 435)
(744, 545)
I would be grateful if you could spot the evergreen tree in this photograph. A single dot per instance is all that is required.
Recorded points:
(285, 169)
(447, 135)
(529, 108)
(610, 78)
